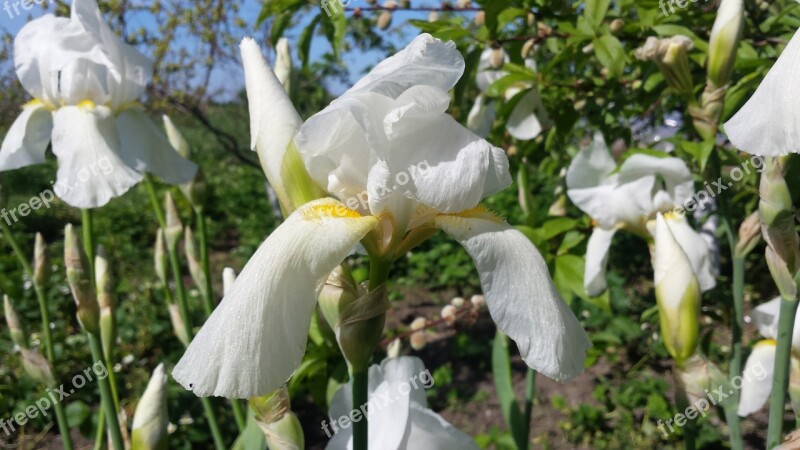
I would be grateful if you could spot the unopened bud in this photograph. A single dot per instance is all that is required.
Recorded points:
(449, 314)
(79, 285)
(281, 427)
(39, 260)
(418, 339)
(464, 4)
(478, 301)
(175, 138)
(105, 301)
(150, 421)
(671, 56)
(528, 48)
(228, 278)
(776, 202)
(195, 189)
(531, 20)
(160, 257)
(458, 302)
(697, 377)
(178, 324)
(384, 20)
(433, 16)
(749, 235)
(195, 269)
(18, 334)
(497, 58)
(37, 367)
(480, 18)
(616, 25)
(394, 348)
(724, 41)
(172, 233)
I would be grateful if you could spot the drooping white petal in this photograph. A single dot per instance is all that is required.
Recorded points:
(769, 123)
(481, 116)
(463, 168)
(612, 205)
(273, 118)
(27, 139)
(520, 294)
(756, 390)
(425, 61)
(90, 170)
(256, 337)
(429, 431)
(594, 279)
(147, 149)
(696, 249)
(674, 184)
(523, 123)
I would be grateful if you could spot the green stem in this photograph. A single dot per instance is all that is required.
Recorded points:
(87, 227)
(105, 396)
(530, 393)
(100, 433)
(690, 430)
(360, 397)
(208, 294)
(61, 417)
(172, 253)
(780, 379)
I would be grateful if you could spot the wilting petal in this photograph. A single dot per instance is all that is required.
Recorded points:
(146, 149)
(755, 391)
(523, 124)
(520, 294)
(695, 248)
(425, 61)
(462, 167)
(594, 279)
(769, 123)
(429, 431)
(27, 139)
(86, 143)
(481, 116)
(256, 337)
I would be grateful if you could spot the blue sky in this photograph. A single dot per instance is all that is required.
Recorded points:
(230, 77)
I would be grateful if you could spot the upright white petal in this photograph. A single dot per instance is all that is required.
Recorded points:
(765, 317)
(463, 168)
(520, 294)
(27, 139)
(146, 149)
(674, 184)
(150, 421)
(696, 249)
(273, 118)
(594, 279)
(256, 337)
(425, 61)
(756, 390)
(769, 123)
(90, 170)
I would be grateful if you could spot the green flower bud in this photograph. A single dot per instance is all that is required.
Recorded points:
(749, 235)
(15, 326)
(160, 257)
(81, 288)
(172, 233)
(106, 302)
(39, 260)
(178, 324)
(195, 269)
(281, 427)
(150, 421)
(671, 56)
(699, 376)
(724, 41)
(37, 367)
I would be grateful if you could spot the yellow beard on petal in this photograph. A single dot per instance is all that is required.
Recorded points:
(331, 209)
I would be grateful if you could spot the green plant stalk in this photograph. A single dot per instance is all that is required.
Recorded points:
(780, 379)
(112, 423)
(172, 254)
(61, 417)
(208, 302)
(100, 433)
(530, 393)
(682, 402)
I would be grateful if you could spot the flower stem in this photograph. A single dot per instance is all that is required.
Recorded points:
(360, 397)
(780, 379)
(61, 417)
(682, 402)
(105, 395)
(174, 263)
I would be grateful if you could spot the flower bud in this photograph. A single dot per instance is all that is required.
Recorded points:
(478, 301)
(449, 314)
(79, 285)
(528, 48)
(480, 18)
(776, 202)
(195, 269)
(497, 58)
(280, 425)
(150, 421)
(749, 235)
(195, 189)
(616, 25)
(18, 334)
(283, 63)
(105, 301)
(228, 278)
(178, 324)
(39, 260)
(677, 294)
(699, 376)
(394, 348)
(37, 367)
(419, 339)
(172, 233)
(433, 16)
(385, 20)
(671, 56)
(176, 138)
(458, 302)
(464, 4)
(777, 227)
(160, 257)
(724, 41)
